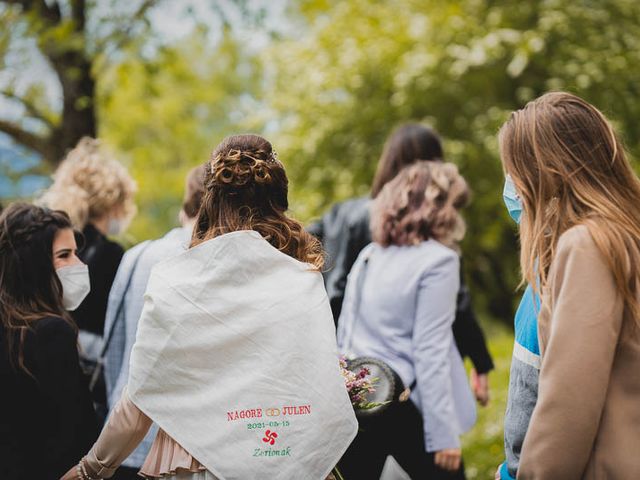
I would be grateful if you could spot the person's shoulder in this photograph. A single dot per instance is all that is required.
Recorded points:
(136, 250)
(359, 202)
(351, 203)
(54, 326)
(438, 252)
(576, 240)
(424, 259)
(102, 252)
(435, 259)
(113, 248)
(172, 243)
(354, 208)
(130, 257)
(576, 236)
(357, 206)
(54, 340)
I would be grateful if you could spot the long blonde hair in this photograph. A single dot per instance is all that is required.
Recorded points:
(569, 169)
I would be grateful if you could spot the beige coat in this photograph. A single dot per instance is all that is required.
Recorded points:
(586, 424)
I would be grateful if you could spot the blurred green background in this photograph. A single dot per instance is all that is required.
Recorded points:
(162, 82)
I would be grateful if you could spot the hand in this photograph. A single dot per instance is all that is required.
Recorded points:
(448, 459)
(71, 474)
(497, 476)
(480, 387)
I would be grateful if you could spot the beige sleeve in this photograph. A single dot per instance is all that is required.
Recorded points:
(125, 429)
(585, 321)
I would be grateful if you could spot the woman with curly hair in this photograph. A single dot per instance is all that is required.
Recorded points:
(345, 231)
(46, 416)
(235, 357)
(399, 306)
(97, 193)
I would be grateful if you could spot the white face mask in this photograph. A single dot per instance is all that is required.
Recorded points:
(75, 285)
(115, 227)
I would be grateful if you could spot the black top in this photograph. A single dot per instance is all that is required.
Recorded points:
(103, 258)
(344, 232)
(47, 423)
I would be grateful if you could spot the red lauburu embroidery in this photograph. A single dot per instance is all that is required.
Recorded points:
(270, 437)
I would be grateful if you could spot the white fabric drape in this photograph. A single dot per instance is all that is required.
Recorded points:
(236, 359)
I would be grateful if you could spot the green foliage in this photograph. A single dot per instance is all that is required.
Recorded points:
(483, 446)
(330, 87)
(364, 66)
(74, 39)
(167, 113)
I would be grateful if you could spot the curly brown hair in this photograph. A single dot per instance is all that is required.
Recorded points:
(420, 203)
(246, 188)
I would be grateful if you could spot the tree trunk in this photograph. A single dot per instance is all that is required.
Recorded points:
(74, 70)
(78, 111)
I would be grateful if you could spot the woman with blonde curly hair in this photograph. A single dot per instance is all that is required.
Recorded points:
(400, 304)
(235, 356)
(96, 191)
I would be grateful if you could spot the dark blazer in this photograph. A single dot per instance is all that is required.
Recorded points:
(103, 258)
(344, 232)
(47, 422)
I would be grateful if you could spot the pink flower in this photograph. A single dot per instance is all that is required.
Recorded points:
(358, 384)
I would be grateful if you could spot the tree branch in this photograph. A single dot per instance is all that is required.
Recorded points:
(31, 109)
(28, 139)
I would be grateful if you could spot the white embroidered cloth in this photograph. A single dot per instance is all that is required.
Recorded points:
(236, 359)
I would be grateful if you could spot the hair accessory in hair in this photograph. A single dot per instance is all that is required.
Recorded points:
(273, 157)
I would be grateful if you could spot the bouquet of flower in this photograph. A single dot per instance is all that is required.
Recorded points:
(359, 384)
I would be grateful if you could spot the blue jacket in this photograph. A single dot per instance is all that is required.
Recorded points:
(523, 382)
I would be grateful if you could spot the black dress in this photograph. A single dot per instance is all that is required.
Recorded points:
(103, 258)
(344, 232)
(47, 422)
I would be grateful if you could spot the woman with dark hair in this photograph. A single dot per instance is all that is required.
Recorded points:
(46, 413)
(345, 231)
(97, 193)
(408, 143)
(399, 307)
(235, 357)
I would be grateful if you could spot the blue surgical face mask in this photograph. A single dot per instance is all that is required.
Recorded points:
(512, 200)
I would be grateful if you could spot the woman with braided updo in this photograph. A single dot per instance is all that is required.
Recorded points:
(235, 356)
(46, 412)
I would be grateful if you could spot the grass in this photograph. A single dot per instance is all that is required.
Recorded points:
(483, 448)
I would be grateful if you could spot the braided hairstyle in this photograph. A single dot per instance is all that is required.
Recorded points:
(246, 189)
(29, 286)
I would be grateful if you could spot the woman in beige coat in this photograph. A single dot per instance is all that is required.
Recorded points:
(580, 236)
